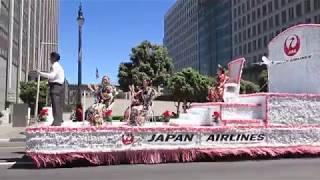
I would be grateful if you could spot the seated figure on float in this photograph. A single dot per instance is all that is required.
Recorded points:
(139, 110)
(215, 93)
(104, 99)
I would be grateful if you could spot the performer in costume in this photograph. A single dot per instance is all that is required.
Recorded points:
(104, 98)
(215, 94)
(141, 103)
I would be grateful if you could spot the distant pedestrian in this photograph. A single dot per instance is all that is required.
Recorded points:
(56, 84)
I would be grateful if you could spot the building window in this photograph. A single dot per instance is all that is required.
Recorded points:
(248, 19)
(271, 36)
(234, 12)
(259, 13)
(316, 4)
(265, 41)
(240, 37)
(271, 22)
(264, 10)
(240, 50)
(239, 11)
(248, 4)
(235, 26)
(265, 24)
(270, 7)
(249, 47)
(253, 3)
(259, 43)
(245, 49)
(307, 6)
(284, 16)
(276, 4)
(259, 28)
(254, 30)
(283, 2)
(291, 13)
(317, 19)
(253, 16)
(299, 10)
(244, 34)
(308, 20)
(243, 21)
(277, 20)
(254, 45)
(249, 33)
(243, 8)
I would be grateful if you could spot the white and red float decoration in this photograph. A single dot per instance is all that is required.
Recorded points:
(284, 121)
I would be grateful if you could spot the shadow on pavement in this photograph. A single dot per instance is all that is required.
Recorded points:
(19, 163)
(20, 152)
(26, 163)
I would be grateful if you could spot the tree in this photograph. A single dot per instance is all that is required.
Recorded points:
(263, 81)
(147, 61)
(247, 87)
(251, 73)
(188, 86)
(28, 93)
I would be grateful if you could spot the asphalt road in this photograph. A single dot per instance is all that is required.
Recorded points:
(284, 169)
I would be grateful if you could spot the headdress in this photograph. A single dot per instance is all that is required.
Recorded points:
(221, 68)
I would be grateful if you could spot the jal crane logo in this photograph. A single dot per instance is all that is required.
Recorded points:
(292, 45)
(127, 138)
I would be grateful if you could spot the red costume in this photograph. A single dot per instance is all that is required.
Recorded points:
(215, 93)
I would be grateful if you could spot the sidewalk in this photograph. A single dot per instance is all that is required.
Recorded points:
(10, 134)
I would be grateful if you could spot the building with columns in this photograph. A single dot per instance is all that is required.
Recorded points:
(26, 29)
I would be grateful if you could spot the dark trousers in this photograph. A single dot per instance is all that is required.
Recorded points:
(57, 97)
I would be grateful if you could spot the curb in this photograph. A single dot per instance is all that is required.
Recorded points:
(12, 140)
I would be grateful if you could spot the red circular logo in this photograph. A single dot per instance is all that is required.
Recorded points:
(292, 45)
(127, 138)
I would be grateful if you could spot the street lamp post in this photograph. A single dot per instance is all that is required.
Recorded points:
(80, 20)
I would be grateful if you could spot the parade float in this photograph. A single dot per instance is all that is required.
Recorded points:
(284, 121)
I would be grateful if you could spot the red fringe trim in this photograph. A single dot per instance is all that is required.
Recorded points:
(167, 156)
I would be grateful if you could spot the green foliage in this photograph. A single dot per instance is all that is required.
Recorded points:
(147, 61)
(263, 81)
(251, 73)
(247, 87)
(189, 86)
(28, 93)
(120, 118)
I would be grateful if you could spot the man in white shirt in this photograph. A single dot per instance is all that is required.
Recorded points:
(56, 85)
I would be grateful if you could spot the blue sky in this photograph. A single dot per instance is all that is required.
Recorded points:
(111, 29)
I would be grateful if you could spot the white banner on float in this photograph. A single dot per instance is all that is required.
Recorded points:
(297, 50)
(49, 142)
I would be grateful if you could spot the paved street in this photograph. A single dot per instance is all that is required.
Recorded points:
(284, 169)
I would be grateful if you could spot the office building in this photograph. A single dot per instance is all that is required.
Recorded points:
(198, 34)
(215, 35)
(221, 30)
(256, 22)
(181, 34)
(25, 25)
